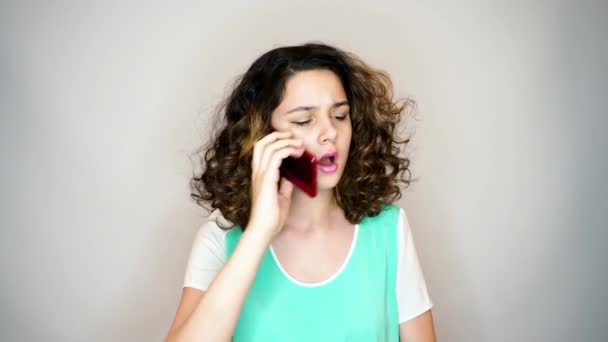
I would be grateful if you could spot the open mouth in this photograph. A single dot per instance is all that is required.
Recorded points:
(327, 161)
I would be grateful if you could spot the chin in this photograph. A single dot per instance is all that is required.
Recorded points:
(328, 182)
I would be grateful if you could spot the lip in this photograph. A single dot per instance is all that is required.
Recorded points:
(333, 154)
(329, 168)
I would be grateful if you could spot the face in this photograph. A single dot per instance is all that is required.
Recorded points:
(315, 109)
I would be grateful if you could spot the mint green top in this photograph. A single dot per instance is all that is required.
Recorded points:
(358, 304)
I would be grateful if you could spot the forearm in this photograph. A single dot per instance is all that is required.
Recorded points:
(215, 317)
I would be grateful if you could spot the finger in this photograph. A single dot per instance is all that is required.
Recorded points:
(277, 145)
(272, 169)
(259, 146)
(279, 155)
(286, 188)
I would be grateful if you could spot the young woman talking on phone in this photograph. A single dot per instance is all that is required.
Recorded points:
(339, 266)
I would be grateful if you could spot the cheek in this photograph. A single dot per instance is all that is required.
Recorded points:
(277, 125)
(347, 135)
(298, 133)
(307, 139)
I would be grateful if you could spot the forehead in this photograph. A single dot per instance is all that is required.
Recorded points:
(312, 88)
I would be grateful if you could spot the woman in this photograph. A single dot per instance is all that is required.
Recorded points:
(340, 266)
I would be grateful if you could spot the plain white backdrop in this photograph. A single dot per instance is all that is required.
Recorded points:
(102, 102)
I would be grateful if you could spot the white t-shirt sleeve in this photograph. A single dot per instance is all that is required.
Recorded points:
(412, 295)
(207, 256)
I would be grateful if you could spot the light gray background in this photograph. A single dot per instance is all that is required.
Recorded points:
(102, 102)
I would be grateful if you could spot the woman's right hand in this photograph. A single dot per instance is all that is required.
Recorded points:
(271, 201)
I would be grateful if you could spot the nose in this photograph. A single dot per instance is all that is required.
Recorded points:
(327, 131)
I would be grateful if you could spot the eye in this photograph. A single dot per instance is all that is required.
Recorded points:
(343, 117)
(302, 123)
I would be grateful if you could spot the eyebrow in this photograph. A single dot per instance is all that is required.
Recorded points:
(309, 108)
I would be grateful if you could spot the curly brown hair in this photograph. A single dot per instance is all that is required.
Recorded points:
(374, 169)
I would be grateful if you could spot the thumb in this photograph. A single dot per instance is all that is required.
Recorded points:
(285, 188)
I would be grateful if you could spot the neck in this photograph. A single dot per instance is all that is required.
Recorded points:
(310, 214)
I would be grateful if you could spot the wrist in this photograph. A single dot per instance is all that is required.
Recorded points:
(255, 232)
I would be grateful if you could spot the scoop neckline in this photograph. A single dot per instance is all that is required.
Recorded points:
(330, 278)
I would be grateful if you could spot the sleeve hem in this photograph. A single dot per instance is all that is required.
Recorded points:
(423, 309)
(196, 287)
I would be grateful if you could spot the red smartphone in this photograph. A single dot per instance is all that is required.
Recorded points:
(302, 172)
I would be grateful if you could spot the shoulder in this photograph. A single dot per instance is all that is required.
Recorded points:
(397, 213)
(387, 216)
(211, 228)
(208, 253)
(211, 237)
